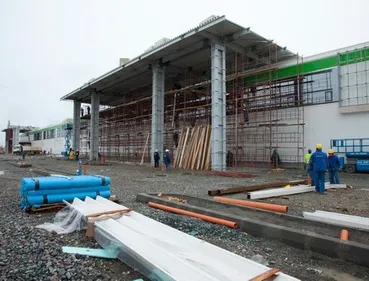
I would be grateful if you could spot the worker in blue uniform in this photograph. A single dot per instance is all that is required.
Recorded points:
(166, 160)
(156, 158)
(333, 167)
(319, 164)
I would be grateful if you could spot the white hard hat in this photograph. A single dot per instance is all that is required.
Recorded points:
(156, 150)
(167, 150)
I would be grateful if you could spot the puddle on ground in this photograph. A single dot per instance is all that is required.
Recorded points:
(337, 275)
(2, 172)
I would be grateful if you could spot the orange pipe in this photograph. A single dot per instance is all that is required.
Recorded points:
(195, 215)
(344, 234)
(257, 205)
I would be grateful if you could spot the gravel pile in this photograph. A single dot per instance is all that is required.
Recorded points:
(27, 253)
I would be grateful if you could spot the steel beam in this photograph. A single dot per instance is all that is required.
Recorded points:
(94, 126)
(76, 125)
(157, 121)
(218, 106)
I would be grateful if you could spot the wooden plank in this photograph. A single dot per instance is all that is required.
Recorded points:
(233, 190)
(199, 146)
(208, 132)
(201, 151)
(143, 154)
(179, 148)
(193, 147)
(184, 147)
(262, 277)
(108, 213)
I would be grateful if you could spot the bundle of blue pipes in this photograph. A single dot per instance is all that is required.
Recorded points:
(55, 189)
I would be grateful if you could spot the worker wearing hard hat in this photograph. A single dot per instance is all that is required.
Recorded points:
(156, 158)
(307, 159)
(333, 167)
(166, 160)
(319, 163)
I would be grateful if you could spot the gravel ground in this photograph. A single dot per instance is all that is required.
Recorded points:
(27, 253)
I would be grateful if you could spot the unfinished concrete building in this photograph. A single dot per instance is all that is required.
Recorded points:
(218, 95)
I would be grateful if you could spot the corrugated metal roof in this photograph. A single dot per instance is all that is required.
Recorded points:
(180, 53)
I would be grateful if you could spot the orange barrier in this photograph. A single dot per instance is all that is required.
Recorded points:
(344, 234)
(195, 215)
(257, 205)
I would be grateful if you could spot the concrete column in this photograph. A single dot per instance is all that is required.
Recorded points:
(76, 125)
(157, 121)
(218, 107)
(94, 126)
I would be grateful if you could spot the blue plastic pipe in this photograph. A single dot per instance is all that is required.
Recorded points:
(63, 191)
(63, 182)
(29, 201)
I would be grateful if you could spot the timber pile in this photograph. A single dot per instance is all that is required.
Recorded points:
(194, 149)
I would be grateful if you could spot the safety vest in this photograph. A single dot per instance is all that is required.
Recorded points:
(307, 158)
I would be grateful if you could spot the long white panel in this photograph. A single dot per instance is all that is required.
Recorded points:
(338, 219)
(267, 193)
(165, 253)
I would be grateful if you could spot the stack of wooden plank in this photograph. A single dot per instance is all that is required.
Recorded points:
(194, 149)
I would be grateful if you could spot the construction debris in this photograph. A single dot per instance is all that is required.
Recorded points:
(170, 198)
(233, 190)
(21, 164)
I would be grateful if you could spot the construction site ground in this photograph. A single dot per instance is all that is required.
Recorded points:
(28, 253)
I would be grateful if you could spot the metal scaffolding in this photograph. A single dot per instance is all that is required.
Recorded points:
(263, 113)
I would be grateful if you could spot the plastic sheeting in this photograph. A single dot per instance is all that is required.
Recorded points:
(163, 253)
(66, 221)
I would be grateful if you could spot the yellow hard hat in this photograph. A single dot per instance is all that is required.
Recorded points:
(319, 146)
(330, 151)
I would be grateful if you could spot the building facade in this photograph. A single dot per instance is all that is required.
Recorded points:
(256, 95)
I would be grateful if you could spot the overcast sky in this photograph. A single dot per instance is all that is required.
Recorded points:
(50, 47)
